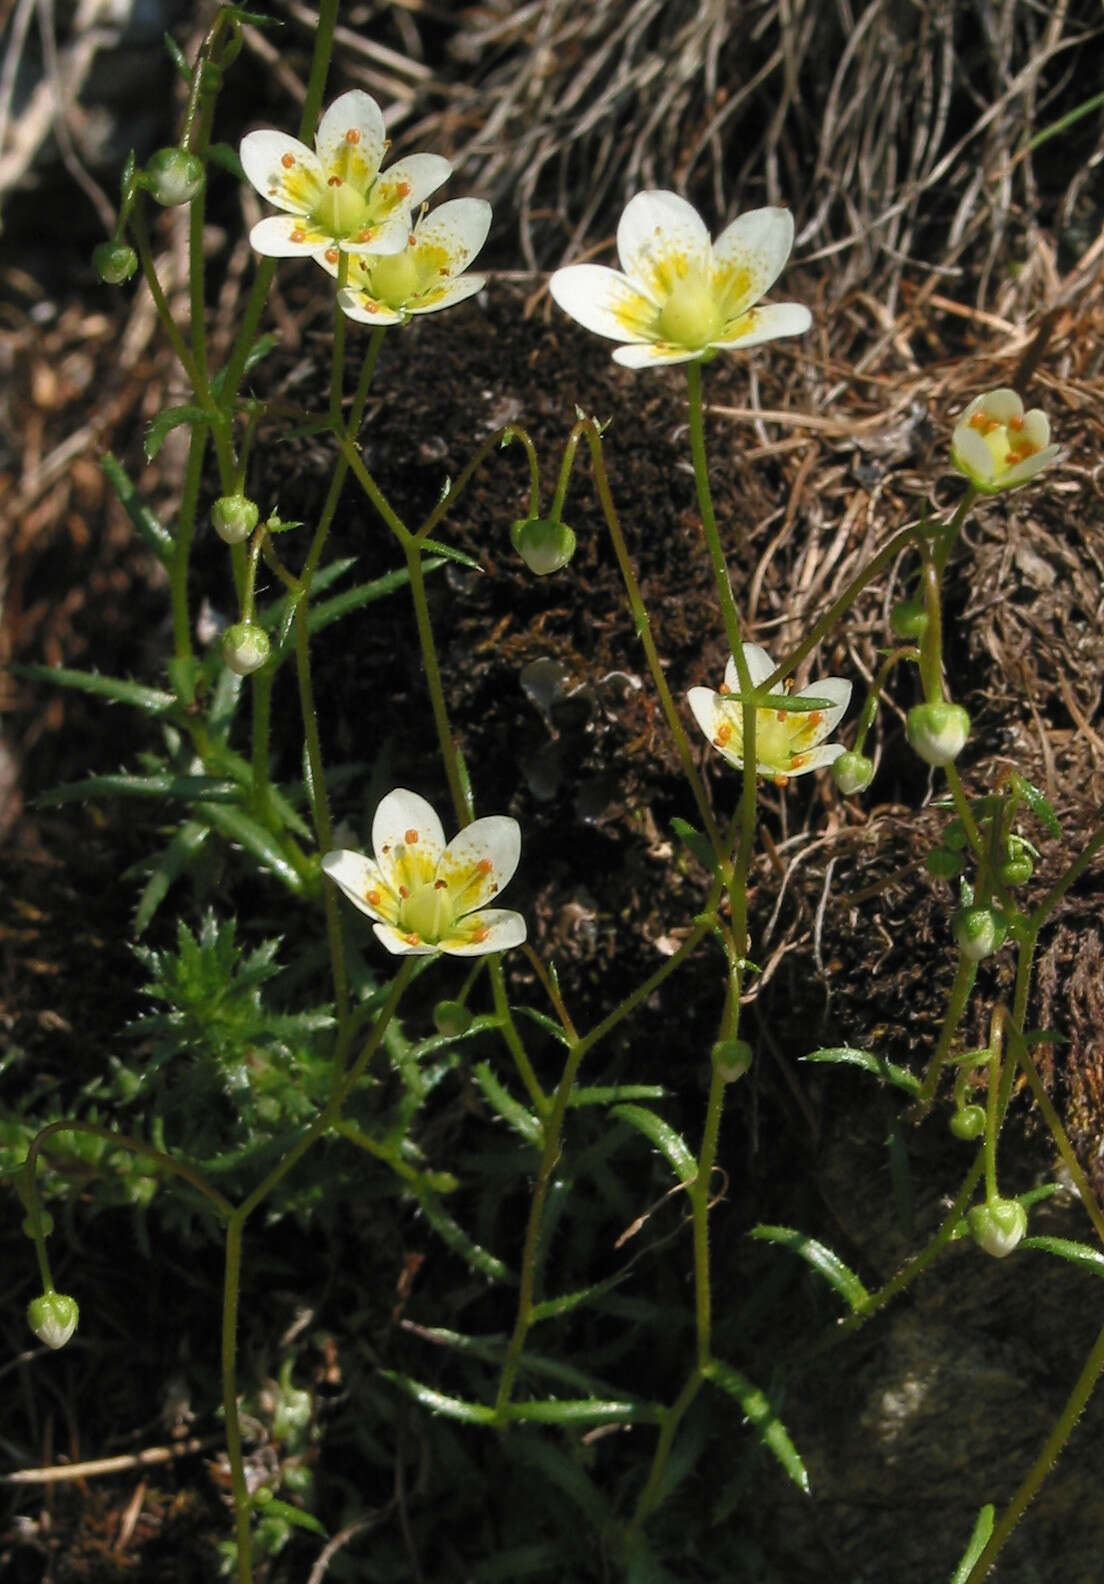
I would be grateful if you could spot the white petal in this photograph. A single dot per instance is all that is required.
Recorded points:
(457, 229)
(838, 690)
(407, 838)
(759, 664)
(411, 180)
(273, 236)
(385, 236)
(446, 296)
(366, 309)
(660, 239)
(295, 186)
(1036, 428)
(360, 879)
(351, 138)
(655, 354)
(401, 944)
(970, 450)
(496, 929)
(814, 759)
(720, 723)
(1003, 404)
(603, 301)
(767, 323)
(1028, 467)
(480, 861)
(749, 255)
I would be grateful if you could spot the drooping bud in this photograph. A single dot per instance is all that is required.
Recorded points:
(853, 772)
(1019, 866)
(997, 1226)
(245, 647)
(234, 517)
(544, 544)
(979, 932)
(938, 732)
(173, 176)
(732, 1058)
(114, 262)
(452, 1018)
(53, 1318)
(908, 619)
(968, 1122)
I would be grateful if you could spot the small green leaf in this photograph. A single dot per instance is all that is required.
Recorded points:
(821, 1258)
(612, 1094)
(550, 1308)
(670, 1144)
(155, 534)
(848, 1056)
(438, 1403)
(983, 1530)
(295, 1516)
(331, 610)
(583, 1411)
(179, 59)
(115, 689)
(510, 1110)
(166, 422)
(168, 866)
(762, 1417)
(1037, 803)
(238, 827)
(696, 844)
(163, 785)
(1082, 1254)
(451, 1232)
(435, 547)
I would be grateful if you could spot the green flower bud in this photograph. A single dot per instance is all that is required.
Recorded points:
(979, 932)
(997, 1226)
(853, 772)
(938, 732)
(908, 619)
(969, 1122)
(451, 1018)
(114, 262)
(173, 176)
(941, 864)
(1019, 865)
(245, 647)
(543, 544)
(234, 517)
(43, 1227)
(732, 1058)
(53, 1318)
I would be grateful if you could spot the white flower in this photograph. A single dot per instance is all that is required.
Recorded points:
(787, 742)
(998, 445)
(426, 276)
(337, 196)
(682, 296)
(427, 897)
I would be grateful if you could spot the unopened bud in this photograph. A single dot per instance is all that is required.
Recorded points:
(53, 1318)
(1019, 865)
(245, 647)
(234, 517)
(114, 262)
(173, 176)
(938, 732)
(968, 1123)
(732, 1058)
(979, 932)
(908, 619)
(853, 772)
(452, 1018)
(997, 1226)
(543, 544)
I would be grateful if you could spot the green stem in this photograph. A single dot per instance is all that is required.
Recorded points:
(167, 1162)
(705, 505)
(413, 554)
(514, 1043)
(501, 437)
(231, 1288)
(672, 1418)
(965, 974)
(333, 494)
(160, 302)
(1055, 1441)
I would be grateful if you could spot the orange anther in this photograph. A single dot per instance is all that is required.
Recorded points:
(402, 190)
(287, 161)
(479, 935)
(332, 255)
(373, 897)
(403, 892)
(440, 885)
(298, 236)
(334, 181)
(412, 940)
(352, 135)
(484, 866)
(410, 837)
(366, 236)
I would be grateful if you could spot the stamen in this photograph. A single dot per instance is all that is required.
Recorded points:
(334, 181)
(332, 255)
(410, 837)
(352, 136)
(373, 897)
(288, 161)
(298, 236)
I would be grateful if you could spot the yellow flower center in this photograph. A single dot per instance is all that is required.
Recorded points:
(1007, 443)
(690, 317)
(341, 210)
(428, 912)
(782, 737)
(397, 278)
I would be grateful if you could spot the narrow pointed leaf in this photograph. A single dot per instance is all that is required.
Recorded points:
(295, 1516)
(848, 1056)
(821, 1258)
(613, 1094)
(510, 1110)
(980, 1538)
(162, 785)
(155, 534)
(163, 425)
(583, 1411)
(438, 1403)
(451, 1232)
(151, 701)
(1082, 1254)
(762, 1417)
(354, 599)
(168, 866)
(669, 1143)
(435, 547)
(238, 827)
